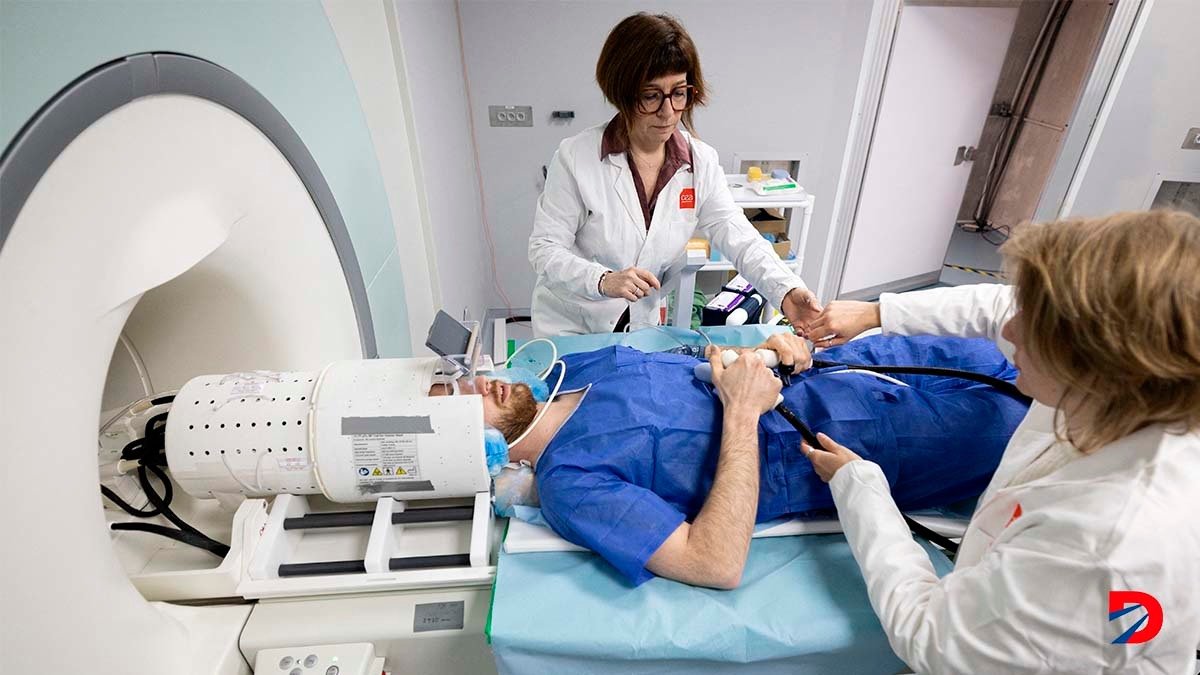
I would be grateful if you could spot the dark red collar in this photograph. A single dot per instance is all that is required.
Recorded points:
(616, 142)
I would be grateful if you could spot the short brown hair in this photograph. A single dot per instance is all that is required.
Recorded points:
(641, 48)
(1112, 307)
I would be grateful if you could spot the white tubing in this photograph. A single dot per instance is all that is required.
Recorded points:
(553, 356)
(143, 374)
(561, 374)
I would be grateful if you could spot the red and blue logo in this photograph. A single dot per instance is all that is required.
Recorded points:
(1121, 603)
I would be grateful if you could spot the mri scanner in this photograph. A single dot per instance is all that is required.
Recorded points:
(161, 221)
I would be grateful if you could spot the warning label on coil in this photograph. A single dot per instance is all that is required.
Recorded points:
(382, 458)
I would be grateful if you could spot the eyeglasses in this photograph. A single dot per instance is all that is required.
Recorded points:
(650, 101)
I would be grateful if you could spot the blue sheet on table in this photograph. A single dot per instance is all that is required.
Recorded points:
(802, 608)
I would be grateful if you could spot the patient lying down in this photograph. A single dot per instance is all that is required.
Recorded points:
(662, 474)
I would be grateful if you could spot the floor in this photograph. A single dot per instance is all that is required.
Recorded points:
(970, 250)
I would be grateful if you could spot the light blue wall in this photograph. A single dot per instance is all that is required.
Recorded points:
(284, 48)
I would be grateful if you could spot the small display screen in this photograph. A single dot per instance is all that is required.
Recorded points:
(447, 336)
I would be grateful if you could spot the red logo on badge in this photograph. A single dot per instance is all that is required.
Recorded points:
(687, 198)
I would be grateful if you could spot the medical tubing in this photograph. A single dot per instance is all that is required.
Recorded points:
(148, 452)
(216, 548)
(229, 469)
(160, 400)
(658, 328)
(542, 413)
(138, 364)
(916, 528)
(553, 356)
(125, 506)
(1004, 386)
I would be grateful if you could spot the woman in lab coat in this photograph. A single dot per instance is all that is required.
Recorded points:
(1096, 503)
(622, 199)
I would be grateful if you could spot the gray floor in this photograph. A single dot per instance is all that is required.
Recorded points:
(970, 250)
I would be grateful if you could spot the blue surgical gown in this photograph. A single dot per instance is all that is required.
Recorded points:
(639, 455)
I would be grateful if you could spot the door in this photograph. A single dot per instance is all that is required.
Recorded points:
(941, 77)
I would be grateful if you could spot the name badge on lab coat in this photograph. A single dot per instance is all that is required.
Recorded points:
(687, 198)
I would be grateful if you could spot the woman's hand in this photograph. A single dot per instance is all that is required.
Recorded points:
(828, 461)
(792, 350)
(747, 384)
(842, 320)
(631, 283)
(801, 308)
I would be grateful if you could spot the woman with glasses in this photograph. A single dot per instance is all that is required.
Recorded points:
(622, 199)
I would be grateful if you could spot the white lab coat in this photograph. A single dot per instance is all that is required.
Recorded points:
(589, 221)
(1029, 594)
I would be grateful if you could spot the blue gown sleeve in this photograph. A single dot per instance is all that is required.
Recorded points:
(624, 523)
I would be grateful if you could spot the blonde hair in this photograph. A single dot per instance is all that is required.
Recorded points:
(1112, 307)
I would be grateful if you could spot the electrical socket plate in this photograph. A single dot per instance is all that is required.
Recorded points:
(1192, 142)
(510, 115)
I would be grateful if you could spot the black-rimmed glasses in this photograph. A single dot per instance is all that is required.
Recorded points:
(651, 101)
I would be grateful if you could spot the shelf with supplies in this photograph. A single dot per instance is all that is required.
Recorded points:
(797, 211)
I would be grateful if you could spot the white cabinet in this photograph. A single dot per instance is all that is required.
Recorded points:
(798, 209)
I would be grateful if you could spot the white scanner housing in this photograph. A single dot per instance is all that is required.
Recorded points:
(354, 432)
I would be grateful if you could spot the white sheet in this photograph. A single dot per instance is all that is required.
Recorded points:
(524, 537)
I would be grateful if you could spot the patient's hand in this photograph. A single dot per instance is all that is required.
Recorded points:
(842, 320)
(747, 385)
(792, 350)
(828, 461)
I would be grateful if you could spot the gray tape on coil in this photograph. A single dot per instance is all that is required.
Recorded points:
(397, 486)
(352, 426)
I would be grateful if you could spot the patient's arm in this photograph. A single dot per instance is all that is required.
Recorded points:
(711, 551)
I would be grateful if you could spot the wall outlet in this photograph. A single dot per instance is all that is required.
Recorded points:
(1192, 142)
(510, 115)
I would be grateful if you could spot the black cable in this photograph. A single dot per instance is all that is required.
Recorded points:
(1003, 386)
(215, 547)
(916, 528)
(149, 453)
(125, 506)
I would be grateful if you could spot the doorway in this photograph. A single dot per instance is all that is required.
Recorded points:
(973, 116)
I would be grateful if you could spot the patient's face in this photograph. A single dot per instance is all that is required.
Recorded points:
(507, 407)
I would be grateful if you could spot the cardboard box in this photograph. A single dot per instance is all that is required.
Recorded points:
(767, 220)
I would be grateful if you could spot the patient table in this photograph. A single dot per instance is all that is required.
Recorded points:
(802, 606)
